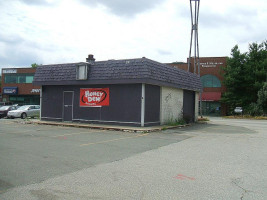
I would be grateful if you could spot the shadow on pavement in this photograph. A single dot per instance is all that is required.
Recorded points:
(215, 128)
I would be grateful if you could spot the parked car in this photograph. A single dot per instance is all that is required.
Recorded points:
(25, 111)
(238, 110)
(5, 109)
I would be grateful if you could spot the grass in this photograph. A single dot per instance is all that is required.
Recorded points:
(203, 119)
(174, 123)
(246, 117)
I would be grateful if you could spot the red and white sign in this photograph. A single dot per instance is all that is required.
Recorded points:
(94, 97)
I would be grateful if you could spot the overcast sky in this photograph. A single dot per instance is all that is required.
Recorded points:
(60, 31)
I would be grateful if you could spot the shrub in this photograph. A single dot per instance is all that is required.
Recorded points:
(254, 109)
(187, 119)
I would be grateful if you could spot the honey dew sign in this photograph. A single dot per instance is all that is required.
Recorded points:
(90, 97)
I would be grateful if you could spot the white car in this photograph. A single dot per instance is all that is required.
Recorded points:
(25, 111)
(238, 110)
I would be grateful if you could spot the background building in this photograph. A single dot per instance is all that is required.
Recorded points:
(211, 78)
(17, 87)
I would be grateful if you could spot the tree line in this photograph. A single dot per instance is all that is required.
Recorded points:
(245, 77)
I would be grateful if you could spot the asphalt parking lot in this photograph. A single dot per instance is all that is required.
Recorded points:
(33, 153)
(224, 159)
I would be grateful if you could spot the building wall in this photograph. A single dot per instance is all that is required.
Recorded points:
(189, 101)
(208, 65)
(152, 105)
(183, 66)
(124, 105)
(196, 106)
(171, 104)
(125, 101)
(162, 105)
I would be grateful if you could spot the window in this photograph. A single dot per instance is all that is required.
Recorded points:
(81, 72)
(210, 81)
(19, 78)
(10, 79)
(29, 79)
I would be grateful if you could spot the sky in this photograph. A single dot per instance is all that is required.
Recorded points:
(66, 31)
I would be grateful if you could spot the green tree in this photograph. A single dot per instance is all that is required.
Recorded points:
(245, 75)
(34, 65)
(257, 65)
(234, 79)
(262, 98)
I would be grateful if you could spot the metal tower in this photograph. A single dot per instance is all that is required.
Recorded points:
(194, 34)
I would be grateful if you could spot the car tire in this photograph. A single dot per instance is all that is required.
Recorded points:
(23, 115)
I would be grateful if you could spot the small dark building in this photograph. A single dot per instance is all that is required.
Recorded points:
(135, 92)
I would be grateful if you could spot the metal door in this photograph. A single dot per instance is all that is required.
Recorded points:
(189, 106)
(67, 105)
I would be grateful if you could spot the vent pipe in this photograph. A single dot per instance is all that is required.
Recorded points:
(90, 59)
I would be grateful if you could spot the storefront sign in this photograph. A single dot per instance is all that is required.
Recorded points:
(35, 90)
(211, 64)
(91, 97)
(10, 90)
(9, 71)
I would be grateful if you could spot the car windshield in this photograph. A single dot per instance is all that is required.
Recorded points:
(23, 108)
(4, 108)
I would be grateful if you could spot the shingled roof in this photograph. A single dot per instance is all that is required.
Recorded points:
(127, 71)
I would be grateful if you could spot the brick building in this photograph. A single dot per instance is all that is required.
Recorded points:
(17, 87)
(211, 78)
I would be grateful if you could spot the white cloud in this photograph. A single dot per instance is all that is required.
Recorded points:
(66, 31)
(126, 8)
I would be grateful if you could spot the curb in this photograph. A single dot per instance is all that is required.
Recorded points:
(113, 128)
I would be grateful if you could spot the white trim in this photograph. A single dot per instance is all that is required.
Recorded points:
(90, 106)
(51, 118)
(143, 105)
(160, 106)
(41, 95)
(152, 122)
(78, 71)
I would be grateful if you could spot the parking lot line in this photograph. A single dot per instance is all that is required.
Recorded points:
(68, 134)
(18, 132)
(106, 141)
(8, 123)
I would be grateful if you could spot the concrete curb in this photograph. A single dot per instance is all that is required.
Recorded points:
(108, 127)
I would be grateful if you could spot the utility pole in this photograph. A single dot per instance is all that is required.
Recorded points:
(194, 9)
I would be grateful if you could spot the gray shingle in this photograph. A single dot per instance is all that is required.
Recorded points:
(140, 70)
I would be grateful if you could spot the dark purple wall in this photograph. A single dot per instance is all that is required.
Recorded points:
(189, 106)
(124, 108)
(152, 105)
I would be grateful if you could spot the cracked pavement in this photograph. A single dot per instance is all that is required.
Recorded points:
(224, 159)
